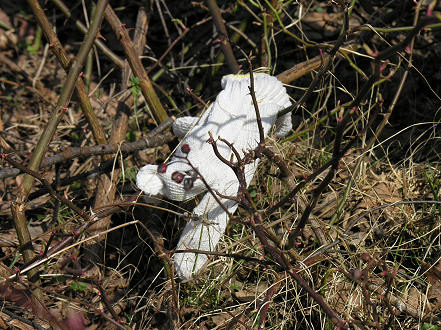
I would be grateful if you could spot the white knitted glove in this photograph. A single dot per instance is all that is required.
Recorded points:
(232, 117)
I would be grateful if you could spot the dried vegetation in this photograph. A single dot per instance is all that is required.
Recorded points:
(350, 238)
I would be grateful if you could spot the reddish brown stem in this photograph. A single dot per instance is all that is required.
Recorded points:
(256, 106)
(279, 257)
(173, 44)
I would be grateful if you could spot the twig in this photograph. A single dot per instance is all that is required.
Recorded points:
(238, 168)
(256, 106)
(337, 154)
(106, 185)
(181, 36)
(257, 222)
(261, 148)
(326, 62)
(279, 257)
(212, 141)
(64, 100)
(101, 46)
(48, 186)
(221, 254)
(201, 177)
(51, 252)
(198, 98)
(380, 127)
(18, 207)
(104, 149)
(285, 173)
(224, 42)
(98, 150)
(302, 68)
(65, 62)
(136, 65)
(264, 309)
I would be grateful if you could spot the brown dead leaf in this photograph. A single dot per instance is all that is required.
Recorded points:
(3, 324)
(326, 205)
(7, 38)
(346, 297)
(434, 279)
(384, 190)
(433, 273)
(414, 298)
(325, 23)
(357, 239)
(6, 322)
(220, 319)
(5, 18)
(308, 233)
(251, 293)
(227, 320)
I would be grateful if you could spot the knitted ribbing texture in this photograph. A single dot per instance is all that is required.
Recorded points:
(232, 116)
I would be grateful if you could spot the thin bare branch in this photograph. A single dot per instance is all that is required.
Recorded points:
(224, 41)
(136, 65)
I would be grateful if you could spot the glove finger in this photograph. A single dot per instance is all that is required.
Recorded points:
(182, 125)
(203, 234)
(148, 180)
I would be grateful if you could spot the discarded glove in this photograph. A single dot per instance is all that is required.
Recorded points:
(233, 118)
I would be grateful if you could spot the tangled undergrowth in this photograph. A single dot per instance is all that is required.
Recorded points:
(340, 226)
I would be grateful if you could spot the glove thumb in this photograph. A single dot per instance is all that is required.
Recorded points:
(149, 181)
